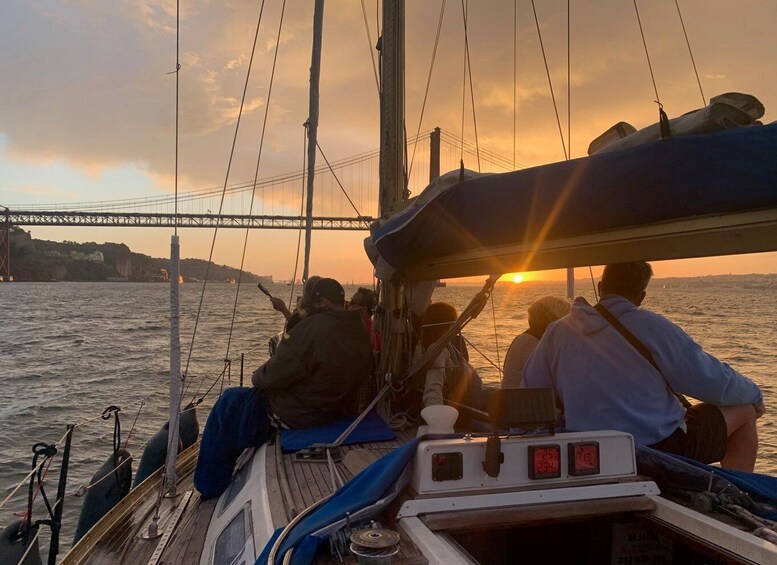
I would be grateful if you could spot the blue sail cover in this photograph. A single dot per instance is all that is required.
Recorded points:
(364, 490)
(693, 196)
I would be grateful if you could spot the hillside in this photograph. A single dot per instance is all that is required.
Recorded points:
(43, 260)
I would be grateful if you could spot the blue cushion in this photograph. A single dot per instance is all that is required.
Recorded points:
(372, 428)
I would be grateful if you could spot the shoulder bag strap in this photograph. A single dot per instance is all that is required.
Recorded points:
(639, 346)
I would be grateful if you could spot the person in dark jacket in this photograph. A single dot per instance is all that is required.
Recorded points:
(319, 364)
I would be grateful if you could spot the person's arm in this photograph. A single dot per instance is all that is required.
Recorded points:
(280, 306)
(290, 364)
(692, 371)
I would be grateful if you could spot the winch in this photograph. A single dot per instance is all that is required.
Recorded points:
(374, 546)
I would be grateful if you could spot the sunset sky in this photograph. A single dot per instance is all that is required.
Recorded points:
(87, 103)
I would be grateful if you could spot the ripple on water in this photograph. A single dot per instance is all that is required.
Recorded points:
(77, 348)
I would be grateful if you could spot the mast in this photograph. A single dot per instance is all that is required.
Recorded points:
(392, 105)
(169, 481)
(312, 126)
(392, 164)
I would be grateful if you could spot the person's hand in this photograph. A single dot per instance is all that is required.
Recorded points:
(760, 409)
(280, 306)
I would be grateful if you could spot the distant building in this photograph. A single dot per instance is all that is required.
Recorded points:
(123, 264)
(265, 279)
(94, 257)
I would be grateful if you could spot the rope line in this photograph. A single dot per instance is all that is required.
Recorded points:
(690, 52)
(496, 335)
(593, 283)
(550, 82)
(301, 212)
(468, 70)
(463, 91)
(30, 474)
(256, 177)
(223, 193)
(370, 47)
(569, 79)
(515, 74)
(483, 355)
(647, 54)
(428, 83)
(177, 90)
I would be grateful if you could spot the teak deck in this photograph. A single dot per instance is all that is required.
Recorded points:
(292, 486)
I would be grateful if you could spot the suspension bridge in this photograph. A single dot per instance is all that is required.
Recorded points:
(345, 196)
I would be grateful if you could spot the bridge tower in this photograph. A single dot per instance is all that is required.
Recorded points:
(5, 248)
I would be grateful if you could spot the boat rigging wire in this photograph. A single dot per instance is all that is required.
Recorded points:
(483, 355)
(223, 193)
(428, 83)
(135, 421)
(550, 82)
(177, 90)
(83, 489)
(593, 284)
(468, 69)
(463, 93)
(496, 337)
(32, 544)
(370, 47)
(569, 81)
(256, 178)
(690, 52)
(338, 180)
(515, 72)
(647, 53)
(301, 211)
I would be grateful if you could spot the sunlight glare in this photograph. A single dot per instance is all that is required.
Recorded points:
(517, 278)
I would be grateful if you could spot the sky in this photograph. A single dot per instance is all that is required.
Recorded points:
(87, 109)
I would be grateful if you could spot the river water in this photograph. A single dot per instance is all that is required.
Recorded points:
(69, 350)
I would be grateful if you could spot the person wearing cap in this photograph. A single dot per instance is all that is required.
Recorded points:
(319, 364)
(293, 317)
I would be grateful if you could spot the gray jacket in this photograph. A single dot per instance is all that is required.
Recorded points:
(319, 363)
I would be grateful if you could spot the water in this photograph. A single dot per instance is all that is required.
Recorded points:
(69, 350)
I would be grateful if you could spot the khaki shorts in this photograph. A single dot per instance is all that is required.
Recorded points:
(705, 439)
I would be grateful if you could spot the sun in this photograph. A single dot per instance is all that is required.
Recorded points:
(517, 278)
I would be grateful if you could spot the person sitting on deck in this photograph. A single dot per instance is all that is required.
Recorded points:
(605, 382)
(310, 381)
(542, 313)
(450, 376)
(319, 363)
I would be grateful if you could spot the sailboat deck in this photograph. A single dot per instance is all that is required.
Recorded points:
(118, 537)
(294, 485)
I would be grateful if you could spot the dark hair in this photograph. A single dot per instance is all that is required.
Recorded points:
(626, 279)
(368, 297)
(438, 318)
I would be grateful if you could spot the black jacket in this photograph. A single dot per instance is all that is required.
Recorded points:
(319, 364)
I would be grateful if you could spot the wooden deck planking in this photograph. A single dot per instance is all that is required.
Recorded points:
(311, 481)
(278, 505)
(188, 541)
